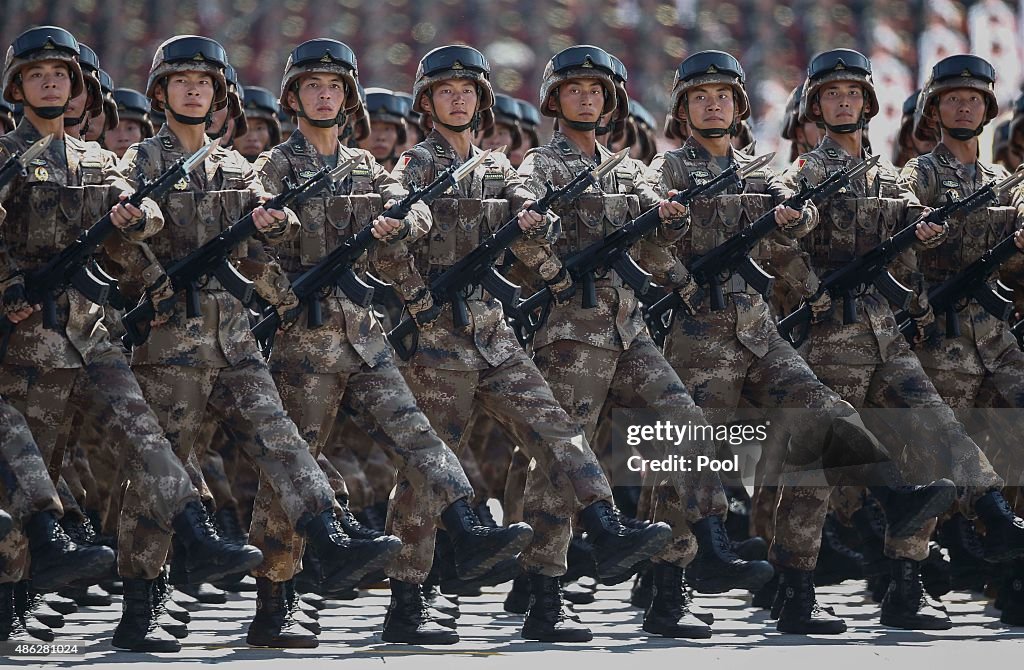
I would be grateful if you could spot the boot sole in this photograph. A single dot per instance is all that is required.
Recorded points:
(613, 567)
(938, 504)
(573, 636)
(823, 629)
(165, 647)
(378, 562)
(906, 624)
(681, 632)
(211, 573)
(753, 581)
(284, 643)
(440, 638)
(478, 566)
(63, 575)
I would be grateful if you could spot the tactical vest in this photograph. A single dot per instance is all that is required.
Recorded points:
(851, 225)
(966, 239)
(595, 215)
(193, 217)
(461, 223)
(43, 216)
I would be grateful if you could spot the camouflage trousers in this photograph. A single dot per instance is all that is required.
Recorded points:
(563, 475)
(491, 454)
(932, 441)
(424, 461)
(25, 488)
(107, 389)
(585, 377)
(245, 399)
(350, 436)
(351, 481)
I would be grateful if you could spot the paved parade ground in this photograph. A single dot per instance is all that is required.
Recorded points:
(743, 638)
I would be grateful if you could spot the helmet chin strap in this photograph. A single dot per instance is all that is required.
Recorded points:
(338, 120)
(474, 123)
(711, 133)
(964, 134)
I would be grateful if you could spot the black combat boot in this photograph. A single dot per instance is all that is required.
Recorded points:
(478, 548)
(643, 588)
(717, 568)
(41, 609)
(207, 556)
(751, 549)
(577, 594)
(273, 625)
(617, 549)
(765, 596)
(6, 523)
(61, 604)
(345, 561)
(138, 629)
(432, 596)
(56, 560)
(374, 516)
(908, 508)
(518, 599)
(299, 613)
(173, 609)
(936, 574)
(869, 522)
(837, 561)
(408, 619)
(25, 603)
(905, 604)
(1004, 531)
(798, 610)
(162, 596)
(12, 625)
(92, 595)
(669, 613)
(547, 620)
(1012, 594)
(351, 525)
(968, 569)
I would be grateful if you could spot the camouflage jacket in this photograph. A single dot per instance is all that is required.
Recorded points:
(350, 335)
(852, 223)
(216, 195)
(478, 206)
(984, 338)
(65, 191)
(711, 222)
(623, 194)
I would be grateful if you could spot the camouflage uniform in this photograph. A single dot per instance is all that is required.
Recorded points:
(589, 356)
(190, 366)
(25, 488)
(753, 362)
(46, 372)
(453, 371)
(869, 362)
(984, 367)
(315, 369)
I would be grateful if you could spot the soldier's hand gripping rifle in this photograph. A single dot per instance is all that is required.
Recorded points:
(336, 268)
(870, 269)
(953, 295)
(612, 253)
(477, 267)
(211, 259)
(714, 268)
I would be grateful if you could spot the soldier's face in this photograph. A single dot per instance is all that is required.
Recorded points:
(44, 84)
(962, 108)
(517, 156)
(840, 102)
(711, 106)
(501, 135)
(381, 141)
(97, 124)
(581, 99)
(454, 101)
(76, 107)
(126, 133)
(189, 93)
(322, 95)
(809, 133)
(255, 140)
(220, 117)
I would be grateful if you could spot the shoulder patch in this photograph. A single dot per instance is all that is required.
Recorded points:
(167, 143)
(951, 183)
(691, 153)
(943, 160)
(800, 163)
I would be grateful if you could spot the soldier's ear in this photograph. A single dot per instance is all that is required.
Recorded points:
(292, 98)
(425, 104)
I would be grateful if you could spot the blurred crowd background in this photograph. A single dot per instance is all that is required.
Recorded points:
(773, 39)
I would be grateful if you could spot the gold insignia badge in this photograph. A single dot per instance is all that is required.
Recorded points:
(588, 62)
(326, 58)
(181, 184)
(841, 66)
(457, 65)
(42, 174)
(199, 57)
(712, 69)
(965, 73)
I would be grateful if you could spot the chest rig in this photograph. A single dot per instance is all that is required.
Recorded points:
(474, 209)
(967, 237)
(857, 219)
(197, 209)
(600, 210)
(329, 217)
(54, 204)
